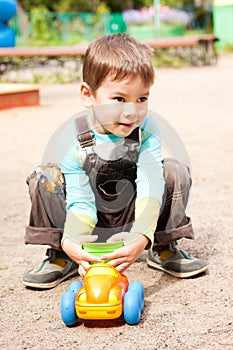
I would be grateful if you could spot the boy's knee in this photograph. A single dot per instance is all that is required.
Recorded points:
(176, 173)
(48, 176)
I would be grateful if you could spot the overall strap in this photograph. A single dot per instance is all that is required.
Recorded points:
(85, 136)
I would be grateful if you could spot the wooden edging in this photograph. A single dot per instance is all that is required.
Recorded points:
(79, 50)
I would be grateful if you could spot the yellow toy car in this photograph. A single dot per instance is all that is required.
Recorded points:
(104, 294)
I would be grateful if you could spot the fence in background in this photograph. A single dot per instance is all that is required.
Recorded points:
(49, 28)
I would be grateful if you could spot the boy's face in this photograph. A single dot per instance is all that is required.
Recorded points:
(119, 106)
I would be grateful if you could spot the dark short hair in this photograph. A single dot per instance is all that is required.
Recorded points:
(119, 55)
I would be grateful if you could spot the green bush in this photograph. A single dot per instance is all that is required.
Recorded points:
(41, 31)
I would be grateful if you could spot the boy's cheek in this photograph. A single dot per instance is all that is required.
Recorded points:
(108, 109)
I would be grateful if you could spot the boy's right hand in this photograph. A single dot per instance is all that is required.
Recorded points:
(75, 251)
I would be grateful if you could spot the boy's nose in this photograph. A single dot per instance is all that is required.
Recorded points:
(129, 110)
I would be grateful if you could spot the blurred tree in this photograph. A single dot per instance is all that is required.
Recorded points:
(121, 5)
(61, 5)
(92, 5)
(177, 3)
(85, 5)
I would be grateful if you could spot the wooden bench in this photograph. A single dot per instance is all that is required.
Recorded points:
(44, 51)
(202, 49)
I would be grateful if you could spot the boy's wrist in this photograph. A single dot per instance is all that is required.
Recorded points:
(144, 240)
(66, 240)
(79, 239)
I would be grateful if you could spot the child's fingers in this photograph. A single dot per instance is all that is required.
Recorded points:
(89, 257)
(118, 262)
(122, 267)
(117, 254)
(81, 271)
(94, 258)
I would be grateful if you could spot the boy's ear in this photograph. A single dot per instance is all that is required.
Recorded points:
(86, 95)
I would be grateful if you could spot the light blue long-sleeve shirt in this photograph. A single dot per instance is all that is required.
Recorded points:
(150, 181)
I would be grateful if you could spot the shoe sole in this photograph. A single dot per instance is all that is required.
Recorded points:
(51, 284)
(175, 273)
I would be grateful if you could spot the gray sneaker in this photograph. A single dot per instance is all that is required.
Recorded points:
(176, 262)
(48, 274)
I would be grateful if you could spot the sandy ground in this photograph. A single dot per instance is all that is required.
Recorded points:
(195, 313)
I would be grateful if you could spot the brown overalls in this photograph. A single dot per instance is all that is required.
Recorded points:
(113, 183)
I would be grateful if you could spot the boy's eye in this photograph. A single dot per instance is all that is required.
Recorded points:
(119, 99)
(142, 99)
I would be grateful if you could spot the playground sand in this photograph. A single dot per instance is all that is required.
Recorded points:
(194, 313)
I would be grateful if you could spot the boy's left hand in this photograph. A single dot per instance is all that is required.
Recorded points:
(123, 257)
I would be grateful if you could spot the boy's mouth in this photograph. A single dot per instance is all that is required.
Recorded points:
(126, 125)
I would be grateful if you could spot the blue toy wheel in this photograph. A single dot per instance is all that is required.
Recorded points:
(136, 285)
(75, 286)
(132, 307)
(67, 308)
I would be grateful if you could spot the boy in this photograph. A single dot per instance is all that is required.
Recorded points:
(116, 184)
